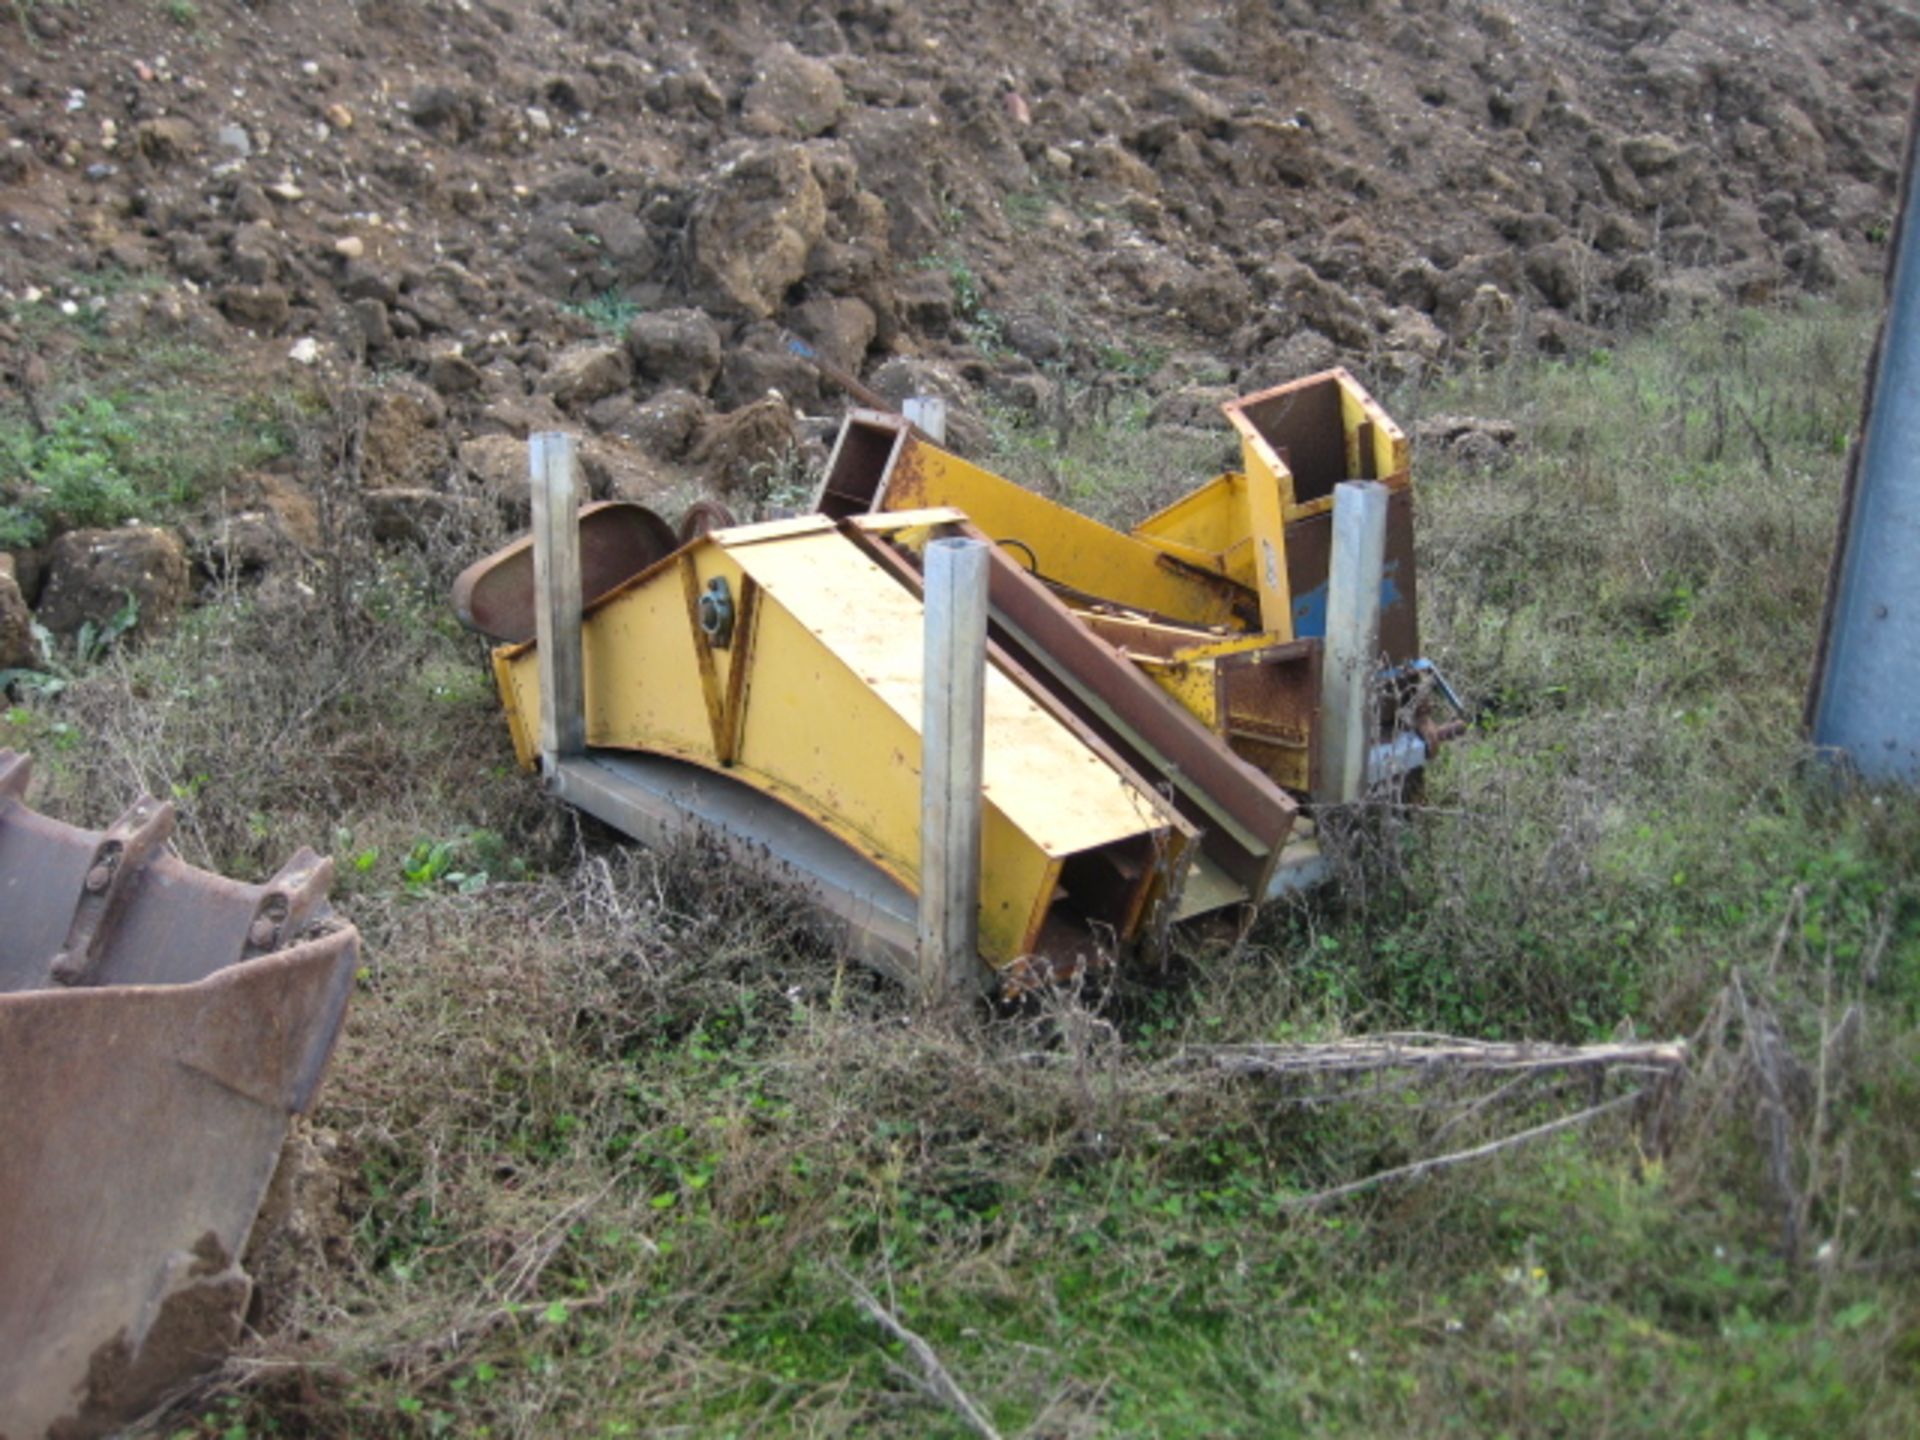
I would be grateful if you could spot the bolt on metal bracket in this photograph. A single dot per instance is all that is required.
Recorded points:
(117, 861)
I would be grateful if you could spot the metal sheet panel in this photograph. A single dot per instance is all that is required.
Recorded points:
(1037, 773)
(1066, 549)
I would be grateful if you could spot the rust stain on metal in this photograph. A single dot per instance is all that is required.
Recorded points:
(906, 484)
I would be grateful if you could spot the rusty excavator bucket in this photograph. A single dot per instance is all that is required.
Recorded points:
(159, 1026)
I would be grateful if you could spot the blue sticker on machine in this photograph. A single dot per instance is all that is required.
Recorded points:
(1310, 609)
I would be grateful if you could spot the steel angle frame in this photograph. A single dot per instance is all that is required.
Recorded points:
(880, 466)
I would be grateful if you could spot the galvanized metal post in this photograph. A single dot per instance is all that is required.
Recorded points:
(929, 413)
(557, 590)
(1352, 645)
(1866, 686)
(952, 752)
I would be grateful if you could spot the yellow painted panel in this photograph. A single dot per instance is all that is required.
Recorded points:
(1049, 783)
(640, 672)
(1288, 765)
(1237, 563)
(1268, 531)
(522, 703)
(854, 765)
(1016, 887)
(642, 675)
(811, 735)
(1069, 549)
(1187, 672)
(831, 714)
(767, 531)
(1391, 453)
(1264, 468)
(1188, 682)
(1207, 520)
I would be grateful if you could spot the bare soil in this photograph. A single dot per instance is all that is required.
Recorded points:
(466, 192)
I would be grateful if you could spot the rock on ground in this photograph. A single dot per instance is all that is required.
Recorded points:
(739, 453)
(793, 95)
(678, 347)
(92, 575)
(753, 227)
(18, 646)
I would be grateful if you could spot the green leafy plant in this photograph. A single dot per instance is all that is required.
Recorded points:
(465, 863)
(71, 475)
(610, 312)
(94, 639)
(92, 643)
(983, 326)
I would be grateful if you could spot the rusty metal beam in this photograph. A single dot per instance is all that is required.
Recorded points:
(1243, 817)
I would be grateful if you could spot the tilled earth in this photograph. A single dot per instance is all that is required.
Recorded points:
(495, 216)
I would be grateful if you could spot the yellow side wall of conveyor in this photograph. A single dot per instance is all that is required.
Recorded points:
(815, 697)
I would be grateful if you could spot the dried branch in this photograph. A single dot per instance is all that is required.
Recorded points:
(1766, 1052)
(939, 1381)
(1459, 1157)
(1427, 1052)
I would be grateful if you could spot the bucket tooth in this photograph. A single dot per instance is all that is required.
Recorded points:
(293, 895)
(15, 770)
(118, 861)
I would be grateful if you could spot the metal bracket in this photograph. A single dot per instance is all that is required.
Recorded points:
(117, 861)
(1420, 667)
(291, 899)
(716, 613)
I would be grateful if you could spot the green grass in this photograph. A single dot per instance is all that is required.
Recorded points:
(131, 426)
(614, 1130)
(976, 321)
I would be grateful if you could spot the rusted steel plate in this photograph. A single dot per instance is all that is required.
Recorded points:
(618, 540)
(146, 1099)
(1300, 424)
(1268, 702)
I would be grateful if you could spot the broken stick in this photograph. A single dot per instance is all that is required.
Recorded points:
(1421, 1168)
(939, 1381)
(1428, 1052)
